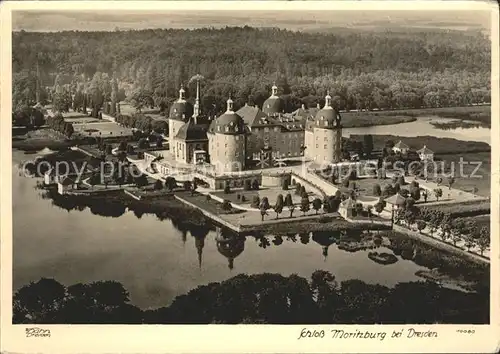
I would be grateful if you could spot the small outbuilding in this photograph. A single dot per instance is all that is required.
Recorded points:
(65, 184)
(401, 147)
(396, 201)
(425, 154)
(347, 207)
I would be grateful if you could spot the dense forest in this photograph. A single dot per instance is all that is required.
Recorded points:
(381, 70)
(261, 298)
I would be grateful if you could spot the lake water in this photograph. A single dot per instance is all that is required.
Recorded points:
(156, 261)
(422, 126)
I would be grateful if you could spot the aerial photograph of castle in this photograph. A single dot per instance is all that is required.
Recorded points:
(230, 168)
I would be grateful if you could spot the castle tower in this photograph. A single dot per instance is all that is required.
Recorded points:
(327, 131)
(227, 141)
(196, 112)
(180, 112)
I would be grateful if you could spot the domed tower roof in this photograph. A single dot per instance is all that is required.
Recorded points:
(181, 109)
(274, 104)
(230, 122)
(327, 117)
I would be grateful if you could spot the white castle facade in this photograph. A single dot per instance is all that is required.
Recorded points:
(229, 142)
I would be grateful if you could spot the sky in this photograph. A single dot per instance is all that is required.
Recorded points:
(105, 20)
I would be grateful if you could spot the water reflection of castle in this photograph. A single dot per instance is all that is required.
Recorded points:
(231, 245)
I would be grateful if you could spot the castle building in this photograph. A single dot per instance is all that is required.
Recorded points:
(229, 141)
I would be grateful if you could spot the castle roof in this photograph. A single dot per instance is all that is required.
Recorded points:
(401, 145)
(425, 150)
(230, 122)
(192, 131)
(327, 117)
(396, 199)
(349, 203)
(181, 109)
(273, 105)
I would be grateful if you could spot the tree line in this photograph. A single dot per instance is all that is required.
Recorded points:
(361, 70)
(252, 299)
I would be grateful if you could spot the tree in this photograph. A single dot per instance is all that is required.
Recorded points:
(158, 185)
(255, 202)
(369, 209)
(288, 200)
(194, 186)
(247, 185)
(368, 145)
(187, 185)
(450, 181)
(304, 205)
(39, 302)
(143, 143)
(377, 191)
(227, 188)
(483, 242)
(298, 188)
(226, 205)
(264, 204)
(401, 180)
(317, 203)
(255, 185)
(109, 149)
(379, 207)
(278, 207)
(421, 224)
(425, 194)
(122, 146)
(438, 193)
(170, 183)
(404, 192)
(263, 212)
(291, 209)
(470, 241)
(68, 130)
(285, 184)
(141, 180)
(415, 192)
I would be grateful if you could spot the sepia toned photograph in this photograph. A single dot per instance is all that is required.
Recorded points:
(313, 167)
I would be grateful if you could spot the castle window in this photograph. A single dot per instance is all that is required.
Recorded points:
(317, 146)
(175, 110)
(225, 145)
(237, 137)
(266, 130)
(276, 129)
(218, 128)
(236, 154)
(236, 128)
(227, 128)
(326, 138)
(324, 146)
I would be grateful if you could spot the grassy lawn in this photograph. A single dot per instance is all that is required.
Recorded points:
(233, 196)
(464, 209)
(471, 179)
(201, 201)
(104, 128)
(368, 119)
